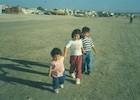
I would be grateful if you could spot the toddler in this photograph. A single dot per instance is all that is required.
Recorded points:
(87, 54)
(57, 70)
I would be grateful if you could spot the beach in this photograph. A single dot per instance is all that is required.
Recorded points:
(27, 40)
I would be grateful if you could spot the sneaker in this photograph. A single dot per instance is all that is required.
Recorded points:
(88, 73)
(72, 75)
(56, 91)
(62, 86)
(77, 81)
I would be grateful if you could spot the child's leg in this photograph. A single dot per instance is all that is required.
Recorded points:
(89, 61)
(83, 62)
(62, 78)
(55, 82)
(78, 68)
(72, 64)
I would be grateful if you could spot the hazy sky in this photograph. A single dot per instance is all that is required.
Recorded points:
(97, 5)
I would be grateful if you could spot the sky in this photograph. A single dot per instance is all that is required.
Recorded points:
(96, 5)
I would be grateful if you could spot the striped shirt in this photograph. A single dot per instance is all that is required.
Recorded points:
(87, 43)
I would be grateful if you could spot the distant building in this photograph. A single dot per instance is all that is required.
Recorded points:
(30, 11)
(16, 9)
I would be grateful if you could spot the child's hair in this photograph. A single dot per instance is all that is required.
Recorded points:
(85, 29)
(56, 51)
(76, 31)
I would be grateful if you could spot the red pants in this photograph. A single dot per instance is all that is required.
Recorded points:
(76, 64)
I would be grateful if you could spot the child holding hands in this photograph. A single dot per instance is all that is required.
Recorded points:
(57, 70)
(87, 54)
(76, 49)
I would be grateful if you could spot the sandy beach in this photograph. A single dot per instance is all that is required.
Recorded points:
(27, 40)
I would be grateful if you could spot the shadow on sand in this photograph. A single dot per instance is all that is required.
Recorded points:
(39, 85)
(25, 62)
(17, 67)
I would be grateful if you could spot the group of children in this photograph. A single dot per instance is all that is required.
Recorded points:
(80, 46)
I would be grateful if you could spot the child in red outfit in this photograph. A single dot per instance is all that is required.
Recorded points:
(76, 49)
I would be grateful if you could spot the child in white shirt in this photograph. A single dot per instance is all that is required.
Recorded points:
(76, 48)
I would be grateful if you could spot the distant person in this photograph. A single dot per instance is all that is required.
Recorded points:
(57, 70)
(131, 18)
(76, 48)
(87, 56)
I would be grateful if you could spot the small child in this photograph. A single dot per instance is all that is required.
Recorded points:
(76, 48)
(87, 55)
(57, 70)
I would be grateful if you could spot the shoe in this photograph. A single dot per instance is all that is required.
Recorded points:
(77, 81)
(88, 73)
(72, 75)
(56, 91)
(62, 86)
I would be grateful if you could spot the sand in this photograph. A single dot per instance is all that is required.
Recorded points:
(26, 42)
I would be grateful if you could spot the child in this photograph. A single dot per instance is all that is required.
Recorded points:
(76, 48)
(87, 56)
(57, 69)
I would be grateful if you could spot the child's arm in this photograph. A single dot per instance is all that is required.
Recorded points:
(50, 71)
(83, 51)
(94, 49)
(65, 52)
